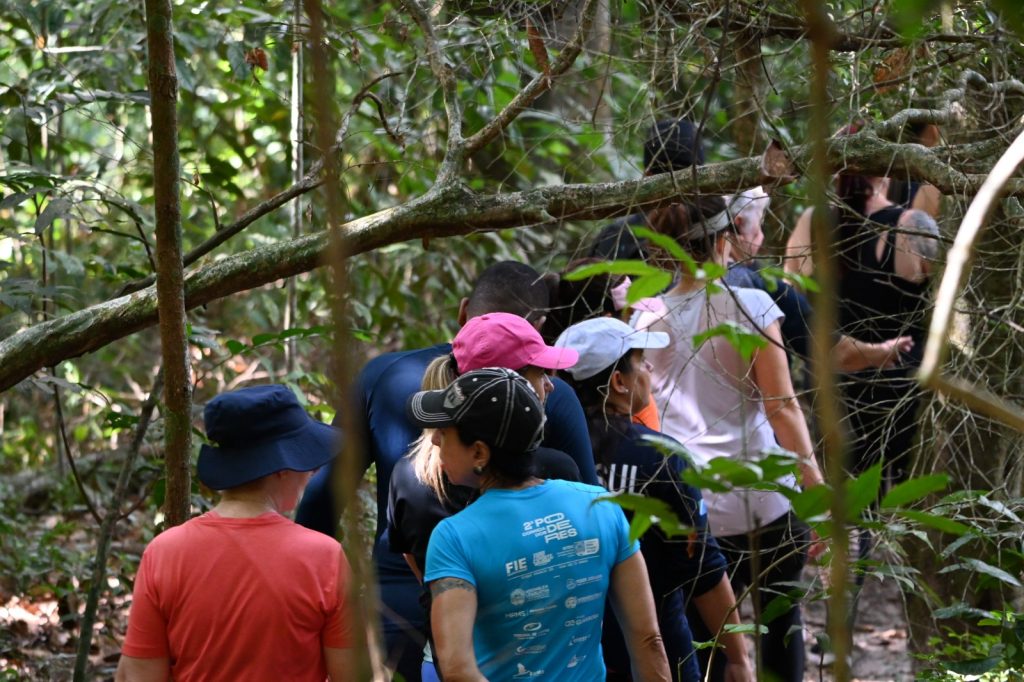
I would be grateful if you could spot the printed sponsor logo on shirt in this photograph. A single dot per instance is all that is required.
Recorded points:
(551, 527)
(532, 626)
(573, 602)
(515, 614)
(587, 547)
(575, 661)
(519, 596)
(530, 649)
(515, 567)
(541, 610)
(523, 672)
(578, 639)
(541, 558)
(580, 620)
(573, 583)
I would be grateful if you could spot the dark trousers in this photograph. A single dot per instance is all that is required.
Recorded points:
(771, 559)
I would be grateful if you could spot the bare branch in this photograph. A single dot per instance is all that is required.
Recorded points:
(456, 150)
(308, 183)
(447, 212)
(958, 265)
(767, 23)
(541, 83)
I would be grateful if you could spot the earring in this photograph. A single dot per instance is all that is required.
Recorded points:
(478, 470)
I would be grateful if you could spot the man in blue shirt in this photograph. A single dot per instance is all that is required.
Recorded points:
(382, 390)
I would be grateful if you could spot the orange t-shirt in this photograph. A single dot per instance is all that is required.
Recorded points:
(649, 416)
(240, 599)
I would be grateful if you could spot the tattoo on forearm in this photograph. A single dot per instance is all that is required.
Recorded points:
(444, 584)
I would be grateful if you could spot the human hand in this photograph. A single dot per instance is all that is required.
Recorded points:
(890, 350)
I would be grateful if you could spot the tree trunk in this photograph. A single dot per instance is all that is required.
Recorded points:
(170, 288)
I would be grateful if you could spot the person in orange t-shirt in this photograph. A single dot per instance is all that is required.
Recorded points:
(241, 592)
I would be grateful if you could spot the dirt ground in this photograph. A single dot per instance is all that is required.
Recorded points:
(879, 638)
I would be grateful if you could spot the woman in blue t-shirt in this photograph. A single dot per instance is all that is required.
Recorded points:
(613, 383)
(519, 578)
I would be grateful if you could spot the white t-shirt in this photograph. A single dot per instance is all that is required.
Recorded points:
(707, 398)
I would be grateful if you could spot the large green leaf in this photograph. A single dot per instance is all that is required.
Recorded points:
(914, 489)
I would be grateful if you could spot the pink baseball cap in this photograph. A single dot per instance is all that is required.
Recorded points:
(509, 341)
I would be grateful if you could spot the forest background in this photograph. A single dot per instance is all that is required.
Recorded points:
(435, 140)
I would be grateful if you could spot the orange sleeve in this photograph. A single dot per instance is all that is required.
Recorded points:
(337, 632)
(649, 416)
(147, 628)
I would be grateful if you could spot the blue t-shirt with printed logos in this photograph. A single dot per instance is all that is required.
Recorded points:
(541, 560)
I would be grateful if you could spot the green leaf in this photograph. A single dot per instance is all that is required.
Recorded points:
(671, 246)
(914, 489)
(935, 521)
(647, 286)
(745, 628)
(639, 525)
(780, 605)
(984, 568)
(54, 210)
(235, 347)
(960, 610)
(656, 510)
(116, 420)
(633, 268)
(772, 274)
(261, 339)
(978, 666)
(812, 503)
(862, 491)
(736, 335)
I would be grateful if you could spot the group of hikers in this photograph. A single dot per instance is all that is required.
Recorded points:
(499, 553)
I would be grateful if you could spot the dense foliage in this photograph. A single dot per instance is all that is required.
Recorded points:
(76, 223)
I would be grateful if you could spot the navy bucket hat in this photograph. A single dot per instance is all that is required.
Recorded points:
(259, 431)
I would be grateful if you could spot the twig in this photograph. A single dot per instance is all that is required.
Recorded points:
(456, 149)
(107, 525)
(822, 34)
(541, 83)
(71, 460)
(309, 182)
(958, 265)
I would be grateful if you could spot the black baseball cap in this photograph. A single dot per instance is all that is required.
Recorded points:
(672, 145)
(494, 404)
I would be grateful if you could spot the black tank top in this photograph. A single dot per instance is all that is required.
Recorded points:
(875, 304)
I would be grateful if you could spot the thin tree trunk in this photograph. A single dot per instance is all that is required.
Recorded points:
(825, 312)
(368, 664)
(106, 532)
(295, 207)
(170, 290)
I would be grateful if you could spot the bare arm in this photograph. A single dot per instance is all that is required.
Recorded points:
(414, 567)
(929, 200)
(771, 374)
(131, 669)
(340, 663)
(451, 618)
(798, 247)
(851, 355)
(634, 607)
(717, 608)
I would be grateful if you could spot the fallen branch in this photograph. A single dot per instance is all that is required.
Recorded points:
(447, 212)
